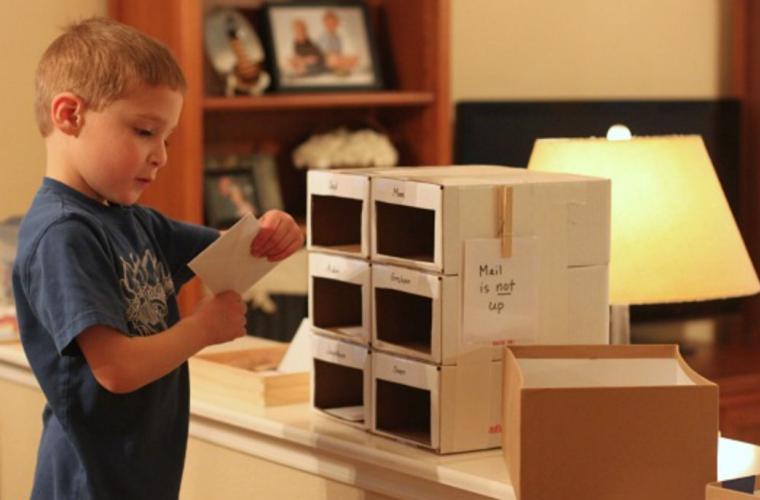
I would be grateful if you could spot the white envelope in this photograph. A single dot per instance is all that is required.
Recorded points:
(227, 264)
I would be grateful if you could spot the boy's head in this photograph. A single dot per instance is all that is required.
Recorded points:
(330, 20)
(101, 60)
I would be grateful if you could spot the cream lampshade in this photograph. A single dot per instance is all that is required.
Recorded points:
(674, 238)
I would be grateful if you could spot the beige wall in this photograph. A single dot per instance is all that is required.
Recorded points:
(26, 29)
(501, 49)
(524, 49)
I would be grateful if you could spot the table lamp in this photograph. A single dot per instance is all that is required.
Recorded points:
(674, 238)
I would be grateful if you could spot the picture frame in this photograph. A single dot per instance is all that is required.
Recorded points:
(321, 46)
(228, 195)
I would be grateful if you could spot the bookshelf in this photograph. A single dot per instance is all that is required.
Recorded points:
(413, 109)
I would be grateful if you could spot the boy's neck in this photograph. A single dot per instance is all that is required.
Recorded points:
(58, 168)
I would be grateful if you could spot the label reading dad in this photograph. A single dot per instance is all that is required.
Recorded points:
(500, 294)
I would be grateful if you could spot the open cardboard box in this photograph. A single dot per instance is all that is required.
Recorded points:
(422, 215)
(418, 314)
(337, 213)
(600, 422)
(448, 409)
(744, 488)
(243, 375)
(340, 386)
(339, 302)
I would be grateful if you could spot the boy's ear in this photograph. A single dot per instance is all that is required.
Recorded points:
(67, 113)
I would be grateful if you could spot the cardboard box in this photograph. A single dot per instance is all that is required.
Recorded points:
(744, 488)
(339, 296)
(448, 409)
(419, 314)
(243, 376)
(337, 214)
(600, 422)
(421, 216)
(341, 381)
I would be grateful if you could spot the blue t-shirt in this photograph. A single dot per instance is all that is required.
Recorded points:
(82, 263)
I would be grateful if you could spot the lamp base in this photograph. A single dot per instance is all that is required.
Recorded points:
(620, 324)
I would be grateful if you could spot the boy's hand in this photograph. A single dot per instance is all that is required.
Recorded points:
(221, 317)
(279, 236)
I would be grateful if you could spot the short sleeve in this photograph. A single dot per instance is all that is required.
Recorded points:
(71, 282)
(180, 242)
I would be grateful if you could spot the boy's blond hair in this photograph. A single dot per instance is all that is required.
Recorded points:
(100, 60)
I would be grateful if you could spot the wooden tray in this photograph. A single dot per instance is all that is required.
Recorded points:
(246, 378)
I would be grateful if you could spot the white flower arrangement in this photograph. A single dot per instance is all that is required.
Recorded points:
(342, 148)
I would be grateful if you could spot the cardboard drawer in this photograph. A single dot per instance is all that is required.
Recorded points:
(337, 213)
(339, 296)
(435, 406)
(340, 385)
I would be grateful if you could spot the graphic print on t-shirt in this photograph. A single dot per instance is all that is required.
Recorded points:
(145, 285)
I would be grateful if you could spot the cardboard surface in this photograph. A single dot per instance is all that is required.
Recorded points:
(448, 409)
(623, 422)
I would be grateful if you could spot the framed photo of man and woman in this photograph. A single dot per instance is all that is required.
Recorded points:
(322, 46)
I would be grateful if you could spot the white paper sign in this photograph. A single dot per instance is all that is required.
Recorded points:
(227, 263)
(500, 295)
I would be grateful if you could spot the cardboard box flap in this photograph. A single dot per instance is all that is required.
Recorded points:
(602, 366)
(464, 175)
(595, 351)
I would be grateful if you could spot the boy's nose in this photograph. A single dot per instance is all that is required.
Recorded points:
(158, 156)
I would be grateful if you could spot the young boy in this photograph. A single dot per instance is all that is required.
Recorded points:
(96, 275)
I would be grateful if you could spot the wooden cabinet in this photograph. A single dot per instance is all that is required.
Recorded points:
(414, 108)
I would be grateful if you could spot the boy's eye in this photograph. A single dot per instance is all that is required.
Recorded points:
(142, 132)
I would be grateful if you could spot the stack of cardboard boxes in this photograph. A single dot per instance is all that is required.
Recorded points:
(419, 276)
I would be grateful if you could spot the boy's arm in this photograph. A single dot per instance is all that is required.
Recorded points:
(124, 364)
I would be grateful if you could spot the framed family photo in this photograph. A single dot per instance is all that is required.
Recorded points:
(321, 46)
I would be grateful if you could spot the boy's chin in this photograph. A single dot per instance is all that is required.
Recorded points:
(124, 200)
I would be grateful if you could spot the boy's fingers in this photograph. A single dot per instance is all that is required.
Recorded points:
(292, 247)
(266, 233)
(276, 241)
(230, 295)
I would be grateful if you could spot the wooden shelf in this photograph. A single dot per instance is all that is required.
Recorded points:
(318, 101)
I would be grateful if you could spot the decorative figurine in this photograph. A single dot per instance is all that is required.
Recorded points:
(235, 52)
